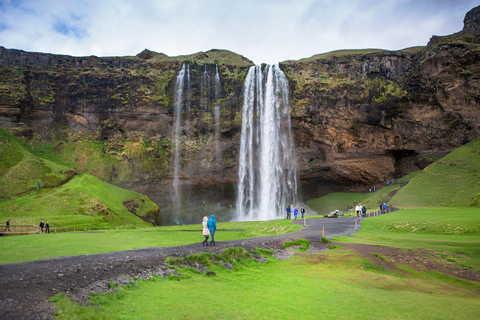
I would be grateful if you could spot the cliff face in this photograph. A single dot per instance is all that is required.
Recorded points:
(369, 116)
(360, 117)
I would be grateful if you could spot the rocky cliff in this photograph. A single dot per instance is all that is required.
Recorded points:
(360, 117)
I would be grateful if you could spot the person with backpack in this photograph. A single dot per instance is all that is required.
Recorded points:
(212, 227)
(42, 225)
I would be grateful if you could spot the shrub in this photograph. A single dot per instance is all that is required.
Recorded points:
(303, 243)
(263, 252)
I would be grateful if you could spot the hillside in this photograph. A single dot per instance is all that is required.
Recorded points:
(84, 201)
(21, 171)
(452, 181)
(64, 198)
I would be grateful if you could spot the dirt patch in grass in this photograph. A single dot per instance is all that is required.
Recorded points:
(389, 257)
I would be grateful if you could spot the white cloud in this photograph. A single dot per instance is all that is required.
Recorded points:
(264, 31)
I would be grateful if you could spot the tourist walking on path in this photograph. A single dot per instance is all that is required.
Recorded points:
(295, 212)
(42, 225)
(288, 212)
(364, 211)
(206, 232)
(384, 207)
(302, 210)
(7, 226)
(212, 227)
(47, 228)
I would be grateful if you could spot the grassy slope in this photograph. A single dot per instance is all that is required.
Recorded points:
(34, 247)
(20, 170)
(83, 201)
(451, 181)
(454, 181)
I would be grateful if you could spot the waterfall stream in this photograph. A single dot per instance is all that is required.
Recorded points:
(178, 108)
(216, 116)
(267, 175)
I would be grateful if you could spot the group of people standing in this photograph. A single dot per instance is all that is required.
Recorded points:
(361, 210)
(292, 212)
(209, 228)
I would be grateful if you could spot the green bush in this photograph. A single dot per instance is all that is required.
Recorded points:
(303, 243)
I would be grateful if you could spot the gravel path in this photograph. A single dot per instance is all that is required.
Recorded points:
(25, 287)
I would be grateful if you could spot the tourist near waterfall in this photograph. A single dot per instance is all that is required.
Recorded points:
(206, 232)
(212, 227)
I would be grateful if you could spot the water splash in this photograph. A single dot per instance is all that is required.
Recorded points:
(267, 175)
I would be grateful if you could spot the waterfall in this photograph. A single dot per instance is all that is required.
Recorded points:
(178, 106)
(205, 89)
(267, 175)
(216, 114)
(189, 89)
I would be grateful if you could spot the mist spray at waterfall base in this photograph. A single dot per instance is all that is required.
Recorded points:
(267, 177)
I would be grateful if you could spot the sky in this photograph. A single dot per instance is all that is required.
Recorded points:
(264, 31)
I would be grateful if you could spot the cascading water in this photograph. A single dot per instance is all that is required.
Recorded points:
(267, 176)
(205, 89)
(216, 114)
(177, 128)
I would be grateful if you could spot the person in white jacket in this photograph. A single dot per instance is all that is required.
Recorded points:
(206, 232)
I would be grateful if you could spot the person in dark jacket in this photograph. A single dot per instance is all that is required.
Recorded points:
(302, 210)
(47, 228)
(7, 226)
(364, 211)
(42, 225)
(212, 227)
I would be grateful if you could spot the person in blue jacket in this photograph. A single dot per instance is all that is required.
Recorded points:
(212, 226)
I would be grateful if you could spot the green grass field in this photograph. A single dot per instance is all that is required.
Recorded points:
(41, 246)
(333, 285)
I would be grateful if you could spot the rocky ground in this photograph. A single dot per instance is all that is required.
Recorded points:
(25, 287)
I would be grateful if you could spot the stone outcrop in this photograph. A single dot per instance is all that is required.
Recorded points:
(360, 117)
(471, 23)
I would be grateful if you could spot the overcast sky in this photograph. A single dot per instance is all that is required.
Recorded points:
(264, 31)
